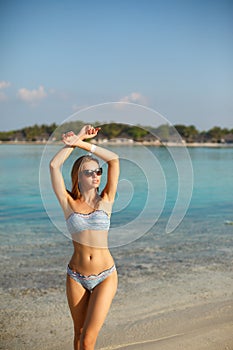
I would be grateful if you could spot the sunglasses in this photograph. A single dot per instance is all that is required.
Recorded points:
(89, 173)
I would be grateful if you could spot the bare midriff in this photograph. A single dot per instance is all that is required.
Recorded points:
(91, 254)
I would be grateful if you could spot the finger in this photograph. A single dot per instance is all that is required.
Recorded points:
(87, 128)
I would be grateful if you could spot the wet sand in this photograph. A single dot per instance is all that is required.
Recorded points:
(208, 326)
(40, 320)
(190, 310)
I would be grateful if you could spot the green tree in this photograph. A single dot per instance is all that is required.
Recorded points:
(189, 133)
(112, 130)
(215, 134)
(162, 132)
(136, 132)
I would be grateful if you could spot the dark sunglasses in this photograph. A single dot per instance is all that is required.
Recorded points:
(90, 173)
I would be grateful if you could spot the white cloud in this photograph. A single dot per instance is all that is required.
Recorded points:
(4, 84)
(32, 96)
(134, 97)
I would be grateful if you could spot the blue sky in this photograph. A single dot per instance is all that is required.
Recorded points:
(59, 56)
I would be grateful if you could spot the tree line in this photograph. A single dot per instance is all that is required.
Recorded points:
(163, 133)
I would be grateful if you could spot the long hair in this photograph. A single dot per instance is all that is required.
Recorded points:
(77, 167)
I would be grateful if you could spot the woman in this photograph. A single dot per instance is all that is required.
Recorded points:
(91, 273)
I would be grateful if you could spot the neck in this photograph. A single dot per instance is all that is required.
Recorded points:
(90, 197)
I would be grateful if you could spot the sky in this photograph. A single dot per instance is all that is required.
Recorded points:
(173, 56)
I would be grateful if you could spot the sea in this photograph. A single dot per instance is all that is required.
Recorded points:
(173, 212)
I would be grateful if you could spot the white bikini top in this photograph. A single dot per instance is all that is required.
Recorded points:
(97, 220)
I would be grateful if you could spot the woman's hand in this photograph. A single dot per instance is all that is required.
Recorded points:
(87, 132)
(70, 139)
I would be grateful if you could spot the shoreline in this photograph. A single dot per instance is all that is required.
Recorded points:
(129, 143)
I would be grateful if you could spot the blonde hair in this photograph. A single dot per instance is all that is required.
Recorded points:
(77, 167)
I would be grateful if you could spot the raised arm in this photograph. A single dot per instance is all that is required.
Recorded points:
(56, 175)
(106, 155)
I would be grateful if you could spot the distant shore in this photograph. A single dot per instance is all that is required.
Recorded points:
(129, 142)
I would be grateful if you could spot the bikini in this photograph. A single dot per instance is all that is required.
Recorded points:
(78, 222)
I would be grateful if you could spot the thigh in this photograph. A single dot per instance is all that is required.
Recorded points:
(99, 304)
(78, 299)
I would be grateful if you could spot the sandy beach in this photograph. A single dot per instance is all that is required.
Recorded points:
(207, 326)
(192, 316)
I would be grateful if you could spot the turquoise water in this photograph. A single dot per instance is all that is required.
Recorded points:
(33, 246)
